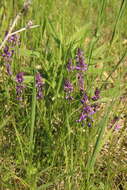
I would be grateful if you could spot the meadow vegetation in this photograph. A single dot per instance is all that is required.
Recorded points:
(63, 115)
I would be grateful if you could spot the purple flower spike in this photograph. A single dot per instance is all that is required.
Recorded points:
(80, 81)
(85, 98)
(88, 110)
(8, 50)
(19, 86)
(19, 77)
(70, 67)
(68, 87)
(39, 81)
(39, 85)
(82, 117)
(97, 95)
(79, 53)
(7, 54)
(81, 66)
(39, 94)
(8, 68)
(14, 40)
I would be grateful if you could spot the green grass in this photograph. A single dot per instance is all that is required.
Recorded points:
(42, 147)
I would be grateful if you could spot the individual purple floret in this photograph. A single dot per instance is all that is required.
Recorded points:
(39, 86)
(13, 40)
(84, 99)
(86, 114)
(80, 81)
(88, 110)
(68, 88)
(80, 63)
(96, 95)
(20, 77)
(83, 117)
(7, 54)
(70, 67)
(8, 68)
(19, 86)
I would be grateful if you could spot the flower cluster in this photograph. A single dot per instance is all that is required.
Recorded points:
(96, 95)
(70, 66)
(88, 108)
(68, 88)
(39, 86)
(80, 66)
(19, 86)
(8, 50)
(20, 83)
(7, 54)
(80, 63)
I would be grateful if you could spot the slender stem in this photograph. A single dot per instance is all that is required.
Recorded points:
(23, 29)
(33, 114)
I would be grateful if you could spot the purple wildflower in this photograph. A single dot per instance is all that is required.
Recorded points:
(68, 88)
(86, 114)
(39, 85)
(80, 81)
(81, 66)
(19, 77)
(19, 86)
(8, 50)
(7, 54)
(13, 40)
(85, 98)
(8, 68)
(70, 67)
(87, 111)
(96, 95)
(83, 117)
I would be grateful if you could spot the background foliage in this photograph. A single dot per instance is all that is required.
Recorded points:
(41, 145)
